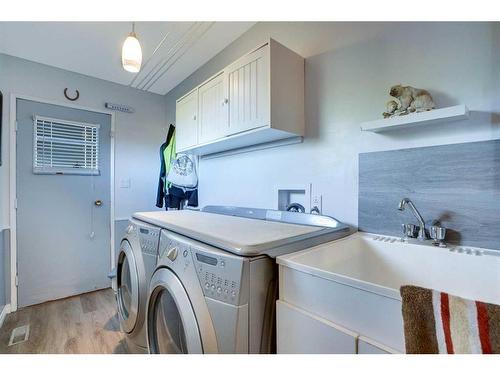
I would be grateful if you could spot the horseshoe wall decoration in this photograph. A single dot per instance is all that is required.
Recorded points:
(68, 97)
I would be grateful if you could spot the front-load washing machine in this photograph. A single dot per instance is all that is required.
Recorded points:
(135, 265)
(205, 300)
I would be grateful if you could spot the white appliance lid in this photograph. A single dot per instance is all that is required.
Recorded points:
(242, 236)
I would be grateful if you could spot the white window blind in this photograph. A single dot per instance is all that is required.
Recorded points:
(65, 147)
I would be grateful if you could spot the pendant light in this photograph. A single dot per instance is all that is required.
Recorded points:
(132, 52)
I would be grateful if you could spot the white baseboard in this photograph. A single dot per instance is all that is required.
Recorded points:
(3, 314)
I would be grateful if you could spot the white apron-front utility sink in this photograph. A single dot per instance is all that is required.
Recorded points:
(354, 282)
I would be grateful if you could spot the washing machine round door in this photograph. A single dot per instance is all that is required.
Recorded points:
(128, 287)
(172, 325)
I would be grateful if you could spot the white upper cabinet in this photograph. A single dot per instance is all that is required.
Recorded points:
(257, 99)
(248, 91)
(213, 110)
(186, 112)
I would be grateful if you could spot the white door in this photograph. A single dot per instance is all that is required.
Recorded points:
(213, 109)
(63, 201)
(249, 91)
(187, 121)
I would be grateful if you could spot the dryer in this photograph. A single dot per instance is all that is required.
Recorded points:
(136, 262)
(205, 300)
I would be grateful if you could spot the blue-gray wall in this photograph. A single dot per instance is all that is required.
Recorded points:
(457, 184)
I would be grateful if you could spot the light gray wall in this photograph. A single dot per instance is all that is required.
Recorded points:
(349, 68)
(137, 139)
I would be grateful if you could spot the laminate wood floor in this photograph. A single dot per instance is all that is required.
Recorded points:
(84, 324)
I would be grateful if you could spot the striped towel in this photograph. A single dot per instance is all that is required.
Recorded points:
(436, 322)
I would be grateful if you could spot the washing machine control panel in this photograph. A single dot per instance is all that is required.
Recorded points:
(149, 238)
(219, 275)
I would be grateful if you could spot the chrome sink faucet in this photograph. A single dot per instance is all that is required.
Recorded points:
(421, 231)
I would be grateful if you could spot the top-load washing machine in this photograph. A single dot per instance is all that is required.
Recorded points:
(215, 285)
(135, 265)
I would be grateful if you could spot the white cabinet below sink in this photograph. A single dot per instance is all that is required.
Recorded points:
(299, 332)
(315, 315)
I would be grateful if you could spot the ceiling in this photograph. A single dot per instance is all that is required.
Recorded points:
(171, 50)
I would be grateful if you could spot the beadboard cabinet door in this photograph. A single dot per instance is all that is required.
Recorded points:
(249, 91)
(187, 121)
(213, 109)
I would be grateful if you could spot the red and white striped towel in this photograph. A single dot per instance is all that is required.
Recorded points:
(437, 322)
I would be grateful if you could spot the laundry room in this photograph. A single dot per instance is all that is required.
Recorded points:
(297, 183)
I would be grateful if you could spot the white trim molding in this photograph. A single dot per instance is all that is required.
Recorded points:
(3, 314)
(13, 188)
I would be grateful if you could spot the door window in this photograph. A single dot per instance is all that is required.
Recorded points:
(65, 147)
(169, 332)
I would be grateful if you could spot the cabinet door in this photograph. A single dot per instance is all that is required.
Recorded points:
(300, 332)
(186, 114)
(249, 91)
(213, 110)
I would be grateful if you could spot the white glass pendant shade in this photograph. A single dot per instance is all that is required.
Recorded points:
(131, 54)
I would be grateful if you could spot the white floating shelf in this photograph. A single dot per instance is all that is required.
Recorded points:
(455, 113)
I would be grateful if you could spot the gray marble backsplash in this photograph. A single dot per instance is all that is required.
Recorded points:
(459, 185)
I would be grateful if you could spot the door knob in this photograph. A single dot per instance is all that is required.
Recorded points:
(98, 203)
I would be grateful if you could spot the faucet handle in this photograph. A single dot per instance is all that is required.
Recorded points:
(410, 230)
(438, 234)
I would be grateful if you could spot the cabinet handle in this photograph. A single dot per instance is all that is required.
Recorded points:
(225, 101)
(194, 117)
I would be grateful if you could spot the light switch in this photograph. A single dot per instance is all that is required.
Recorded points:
(125, 183)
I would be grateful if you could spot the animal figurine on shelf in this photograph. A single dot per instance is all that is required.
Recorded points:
(391, 107)
(408, 100)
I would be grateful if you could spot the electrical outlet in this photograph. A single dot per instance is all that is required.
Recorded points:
(317, 201)
(125, 183)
